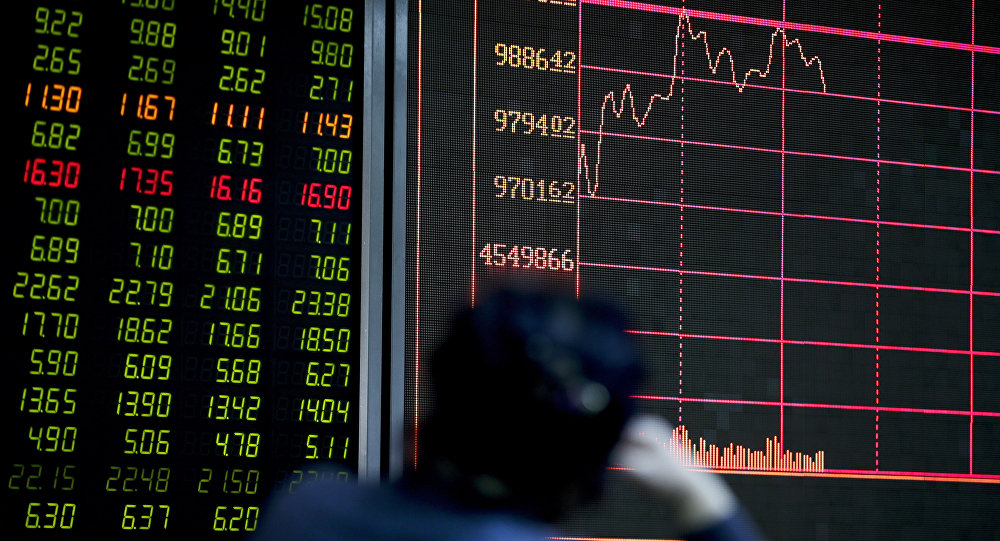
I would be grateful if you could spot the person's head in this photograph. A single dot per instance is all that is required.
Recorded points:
(531, 393)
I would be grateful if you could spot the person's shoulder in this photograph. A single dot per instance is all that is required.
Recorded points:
(315, 510)
(500, 527)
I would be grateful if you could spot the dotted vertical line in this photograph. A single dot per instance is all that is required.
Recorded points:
(781, 284)
(878, 215)
(680, 255)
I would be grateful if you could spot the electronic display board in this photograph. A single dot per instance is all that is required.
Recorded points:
(182, 247)
(796, 201)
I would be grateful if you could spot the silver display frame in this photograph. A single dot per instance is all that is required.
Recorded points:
(372, 247)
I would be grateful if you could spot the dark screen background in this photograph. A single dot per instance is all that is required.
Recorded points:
(817, 265)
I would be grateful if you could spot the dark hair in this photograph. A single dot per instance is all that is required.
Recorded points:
(531, 394)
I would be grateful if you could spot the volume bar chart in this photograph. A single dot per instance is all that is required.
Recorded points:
(737, 457)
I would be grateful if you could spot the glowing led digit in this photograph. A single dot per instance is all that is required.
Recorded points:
(329, 88)
(54, 362)
(57, 22)
(324, 17)
(241, 79)
(148, 330)
(331, 53)
(238, 371)
(147, 442)
(323, 410)
(54, 173)
(55, 135)
(55, 59)
(153, 33)
(147, 367)
(327, 374)
(151, 144)
(59, 212)
(252, 10)
(58, 98)
(53, 439)
(152, 69)
(147, 181)
(238, 261)
(50, 515)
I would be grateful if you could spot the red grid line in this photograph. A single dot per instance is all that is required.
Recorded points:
(858, 474)
(923, 475)
(941, 44)
(793, 90)
(579, 141)
(972, 181)
(794, 152)
(792, 214)
(929, 411)
(796, 280)
(819, 343)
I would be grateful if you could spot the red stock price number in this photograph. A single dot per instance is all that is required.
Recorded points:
(52, 173)
(326, 196)
(224, 189)
(147, 181)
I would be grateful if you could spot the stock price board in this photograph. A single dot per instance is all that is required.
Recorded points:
(182, 261)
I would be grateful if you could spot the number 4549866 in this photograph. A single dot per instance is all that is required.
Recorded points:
(528, 257)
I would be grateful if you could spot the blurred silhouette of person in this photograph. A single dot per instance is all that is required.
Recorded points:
(531, 404)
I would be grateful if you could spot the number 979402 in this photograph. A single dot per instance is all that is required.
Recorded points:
(526, 123)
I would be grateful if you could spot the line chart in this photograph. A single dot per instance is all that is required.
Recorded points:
(684, 22)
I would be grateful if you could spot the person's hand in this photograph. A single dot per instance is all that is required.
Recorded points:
(699, 499)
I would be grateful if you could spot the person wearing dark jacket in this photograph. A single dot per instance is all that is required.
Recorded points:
(532, 403)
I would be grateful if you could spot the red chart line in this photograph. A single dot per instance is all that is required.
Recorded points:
(791, 214)
(579, 141)
(813, 405)
(819, 343)
(640, 6)
(790, 279)
(789, 90)
(850, 474)
(685, 32)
